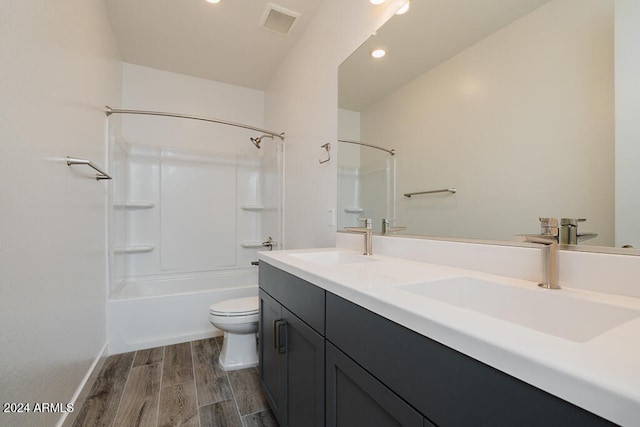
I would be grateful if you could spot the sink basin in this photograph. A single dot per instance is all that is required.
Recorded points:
(552, 312)
(333, 257)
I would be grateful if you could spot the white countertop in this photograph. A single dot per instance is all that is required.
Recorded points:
(601, 375)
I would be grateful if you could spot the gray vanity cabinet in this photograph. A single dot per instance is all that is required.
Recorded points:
(292, 347)
(363, 369)
(448, 387)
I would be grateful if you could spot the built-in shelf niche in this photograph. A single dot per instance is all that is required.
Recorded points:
(251, 244)
(131, 205)
(133, 249)
(255, 207)
(353, 210)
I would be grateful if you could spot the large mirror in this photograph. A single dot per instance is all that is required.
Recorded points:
(510, 102)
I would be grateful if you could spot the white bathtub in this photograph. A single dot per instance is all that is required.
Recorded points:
(155, 312)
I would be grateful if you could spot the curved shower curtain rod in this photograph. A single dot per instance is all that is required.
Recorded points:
(111, 111)
(351, 141)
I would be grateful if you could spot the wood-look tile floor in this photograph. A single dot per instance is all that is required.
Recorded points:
(176, 385)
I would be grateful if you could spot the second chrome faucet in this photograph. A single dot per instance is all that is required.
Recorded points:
(387, 228)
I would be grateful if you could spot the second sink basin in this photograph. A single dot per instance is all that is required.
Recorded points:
(552, 312)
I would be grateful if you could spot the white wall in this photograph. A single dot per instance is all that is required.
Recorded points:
(627, 34)
(58, 68)
(150, 89)
(521, 123)
(302, 100)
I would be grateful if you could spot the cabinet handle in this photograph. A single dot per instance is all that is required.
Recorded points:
(278, 342)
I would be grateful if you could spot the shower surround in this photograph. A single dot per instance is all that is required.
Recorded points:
(188, 214)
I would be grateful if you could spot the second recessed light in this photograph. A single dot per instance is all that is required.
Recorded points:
(378, 53)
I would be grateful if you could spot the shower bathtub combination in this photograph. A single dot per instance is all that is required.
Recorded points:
(190, 206)
(154, 312)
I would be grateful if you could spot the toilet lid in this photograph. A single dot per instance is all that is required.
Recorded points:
(236, 307)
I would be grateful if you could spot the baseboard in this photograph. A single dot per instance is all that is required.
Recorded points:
(83, 389)
(121, 347)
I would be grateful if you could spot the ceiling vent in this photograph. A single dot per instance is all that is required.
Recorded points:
(278, 19)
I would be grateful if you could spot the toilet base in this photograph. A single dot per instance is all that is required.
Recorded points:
(239, 351)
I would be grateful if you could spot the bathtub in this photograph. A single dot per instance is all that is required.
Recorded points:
(153, 312)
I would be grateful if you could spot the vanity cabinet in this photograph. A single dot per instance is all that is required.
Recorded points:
(327, 361)
(292, 347)
(447, 387)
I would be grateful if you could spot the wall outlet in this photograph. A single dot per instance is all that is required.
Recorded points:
(331, 218)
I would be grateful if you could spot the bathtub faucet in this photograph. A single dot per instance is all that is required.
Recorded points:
(269, 243)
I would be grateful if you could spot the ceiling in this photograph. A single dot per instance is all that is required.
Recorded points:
(430, 33)
(221, 42)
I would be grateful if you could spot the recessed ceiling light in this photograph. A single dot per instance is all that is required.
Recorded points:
(403, 9)
(213, 1)
(377, 2)
(378, 53)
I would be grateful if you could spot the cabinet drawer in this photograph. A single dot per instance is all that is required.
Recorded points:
(299, 296)
(448, 387)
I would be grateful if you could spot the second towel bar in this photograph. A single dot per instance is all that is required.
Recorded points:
(444, 190)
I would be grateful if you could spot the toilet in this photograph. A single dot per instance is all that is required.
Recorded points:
(238, 318)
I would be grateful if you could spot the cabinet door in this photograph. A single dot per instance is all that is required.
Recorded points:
(356, 398)
(291, 366)
(305, 373)
(272, 360)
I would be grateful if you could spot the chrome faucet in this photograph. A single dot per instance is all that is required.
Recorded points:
(569, 234)
(548, 238)
(366, 231)
(386, 229)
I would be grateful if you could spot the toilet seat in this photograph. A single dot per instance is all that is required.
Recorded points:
(237, 307)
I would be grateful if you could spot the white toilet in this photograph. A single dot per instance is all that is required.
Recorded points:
(238, 318)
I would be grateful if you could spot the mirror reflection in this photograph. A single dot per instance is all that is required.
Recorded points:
(366, 186)
(510, 102)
